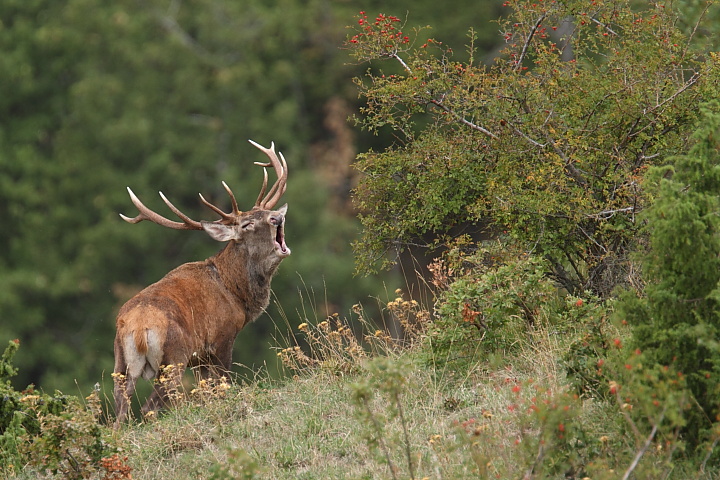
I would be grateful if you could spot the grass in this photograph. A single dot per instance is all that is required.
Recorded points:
(454, 424)
(358, 404)
(308, 427)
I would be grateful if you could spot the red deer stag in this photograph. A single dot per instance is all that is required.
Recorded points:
(192, 316)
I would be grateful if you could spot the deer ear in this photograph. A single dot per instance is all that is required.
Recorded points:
(283, 209)
(219, 232)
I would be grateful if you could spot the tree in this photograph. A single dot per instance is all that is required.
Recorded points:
(550, 142)
(677, 320)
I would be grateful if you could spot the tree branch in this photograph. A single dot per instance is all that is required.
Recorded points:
(604, 215)
(692, 35)
(528, 40)
(533, 142)
(605, 26)
(402, 62)
(174, 28)
(644, 448)
(464, 121)
(693, 80)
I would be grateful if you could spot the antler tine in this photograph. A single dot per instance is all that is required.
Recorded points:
(227, 218)
(264, 185)
(236, 210)
(147, 214)
(278, 188)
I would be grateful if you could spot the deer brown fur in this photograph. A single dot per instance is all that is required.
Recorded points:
(192, 316)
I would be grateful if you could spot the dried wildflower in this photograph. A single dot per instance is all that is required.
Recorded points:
(116, 467)
(30, 399)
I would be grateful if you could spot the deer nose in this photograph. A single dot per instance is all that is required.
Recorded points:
(276, 220)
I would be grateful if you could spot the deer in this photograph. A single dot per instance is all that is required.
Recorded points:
(191, 317)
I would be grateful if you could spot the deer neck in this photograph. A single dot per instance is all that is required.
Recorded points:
(245, 278)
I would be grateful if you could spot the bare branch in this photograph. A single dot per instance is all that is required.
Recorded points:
(692, 35)
(710, 451)
(605, 26)
(571, 169)
(530, 473)
(590, 237)
(693, 80)
(172, 26)
(402, 62)
(464, 121)
(527, 42)
(645, 446)
(522, 134)
(606, 214)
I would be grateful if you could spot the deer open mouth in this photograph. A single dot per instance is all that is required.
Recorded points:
(280, 245)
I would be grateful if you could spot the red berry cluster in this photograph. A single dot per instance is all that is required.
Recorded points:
(384, 31)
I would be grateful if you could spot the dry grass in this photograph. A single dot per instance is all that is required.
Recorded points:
(362, 404)
(309, 426)
(306, 428)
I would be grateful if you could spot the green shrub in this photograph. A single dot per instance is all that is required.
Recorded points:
(552, 151)
(55, 434)
(385, 385)
(676, 322)
(489, 299)
(595, 341)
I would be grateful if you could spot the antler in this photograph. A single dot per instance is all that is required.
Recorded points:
(187, 222)
(267, 202)
(147, 214)
(280, 165)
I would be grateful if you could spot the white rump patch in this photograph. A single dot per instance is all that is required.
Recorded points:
(148, 365)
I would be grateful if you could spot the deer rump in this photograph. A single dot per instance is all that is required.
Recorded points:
(168, 324)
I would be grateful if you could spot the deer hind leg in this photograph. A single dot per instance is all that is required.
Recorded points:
(212, 367)
(167, 368)
(124, 385)
(137, 354)
(167, 389)
(124, 388)
(217, 364)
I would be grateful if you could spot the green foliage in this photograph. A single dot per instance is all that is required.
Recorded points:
(551, 440)
(55, 434)
(239, 466)
(70, 442)
(556, 442)
(389, 414)
(386, 377)
(656, 412)
(549, 141)
(597, 341)
(19, 411)
(491, 297)
(422, 188)
(676, 322)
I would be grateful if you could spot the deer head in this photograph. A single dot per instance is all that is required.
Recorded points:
(235, 224)
(192, 316)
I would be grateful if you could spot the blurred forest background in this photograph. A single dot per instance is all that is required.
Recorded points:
(163, 95)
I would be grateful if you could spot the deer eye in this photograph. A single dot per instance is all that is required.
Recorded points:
(247, 225)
